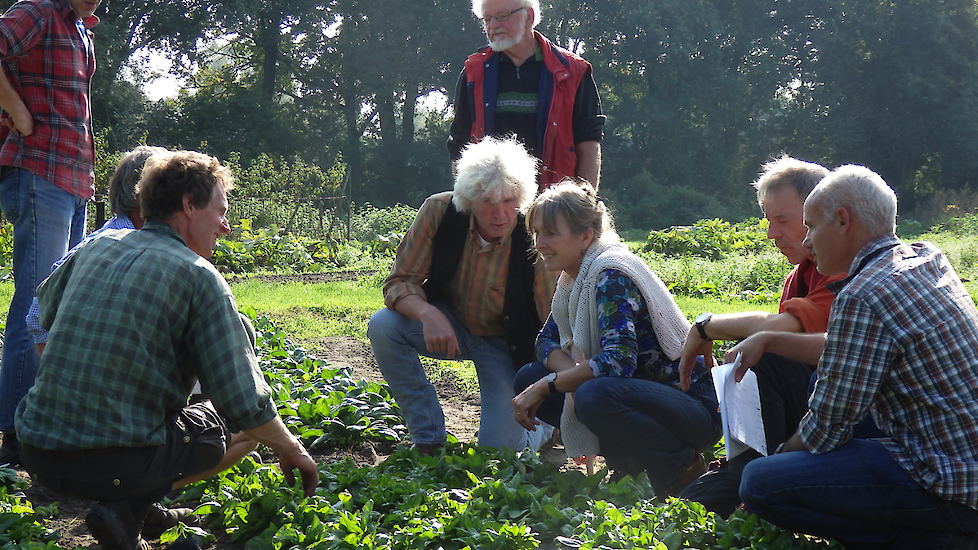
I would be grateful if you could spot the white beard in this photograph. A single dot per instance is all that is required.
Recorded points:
(504, 44)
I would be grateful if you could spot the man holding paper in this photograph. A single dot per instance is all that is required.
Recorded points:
(782, 380)
(901, 344)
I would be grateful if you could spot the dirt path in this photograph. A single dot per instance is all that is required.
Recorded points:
(461, 407)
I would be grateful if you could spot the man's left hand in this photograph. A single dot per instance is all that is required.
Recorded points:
(752, 348)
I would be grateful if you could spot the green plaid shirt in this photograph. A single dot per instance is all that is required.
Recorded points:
(135, 317)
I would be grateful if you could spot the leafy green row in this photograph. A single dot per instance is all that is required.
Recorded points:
(466, 497)
(250, 248)
(322, 406)
(21, 526)
(712, 239)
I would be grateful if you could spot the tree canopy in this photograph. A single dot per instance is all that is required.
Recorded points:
(698, 93)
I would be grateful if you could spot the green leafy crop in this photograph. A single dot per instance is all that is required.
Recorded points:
(322, 406)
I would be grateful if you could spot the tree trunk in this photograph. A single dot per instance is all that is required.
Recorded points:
(410, 105)
(269, 38)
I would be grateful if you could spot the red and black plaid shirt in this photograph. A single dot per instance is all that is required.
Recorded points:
(51, 67)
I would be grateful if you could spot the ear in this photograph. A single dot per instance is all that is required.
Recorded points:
(845, 220)
(188, 205)
(588, 238)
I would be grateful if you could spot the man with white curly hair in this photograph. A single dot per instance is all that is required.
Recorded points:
(466, 285)
(523, 84)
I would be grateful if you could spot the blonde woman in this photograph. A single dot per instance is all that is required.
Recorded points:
(613, 338)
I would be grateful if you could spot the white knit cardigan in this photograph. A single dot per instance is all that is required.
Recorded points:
(575, 311)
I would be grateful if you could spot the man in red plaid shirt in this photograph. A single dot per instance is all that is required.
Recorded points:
(47, 158)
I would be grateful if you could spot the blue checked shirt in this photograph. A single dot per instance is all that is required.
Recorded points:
(135, 317)
(33, 322)
(903, 343)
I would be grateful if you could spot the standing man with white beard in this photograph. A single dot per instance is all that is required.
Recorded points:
(522, 84)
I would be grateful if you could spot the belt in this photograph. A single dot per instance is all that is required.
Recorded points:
(83, 453)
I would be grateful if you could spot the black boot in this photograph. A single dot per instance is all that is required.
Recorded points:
(116, 524)
(10, 450)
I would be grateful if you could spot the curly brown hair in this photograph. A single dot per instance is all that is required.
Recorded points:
(167, 179)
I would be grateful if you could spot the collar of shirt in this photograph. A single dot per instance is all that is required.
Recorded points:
(164, 229)
(864, 256)
(69, 14)
(537, 57)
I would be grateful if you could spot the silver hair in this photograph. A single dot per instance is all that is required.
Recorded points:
(788, 173)
(529, 4)
(863, 193)
(122, 185)
(492, 169)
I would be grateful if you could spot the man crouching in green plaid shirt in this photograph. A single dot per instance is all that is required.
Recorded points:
(135, 319)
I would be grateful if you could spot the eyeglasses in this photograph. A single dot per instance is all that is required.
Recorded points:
(502, 17)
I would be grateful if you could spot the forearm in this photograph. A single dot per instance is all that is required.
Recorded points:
(800, 346)
(560, 361)
(274, 435)
(14, 106)
(589, 161)
(414, 307)
(568, 379)
(737, 326)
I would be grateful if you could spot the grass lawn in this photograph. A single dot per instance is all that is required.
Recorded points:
(338, 308)
(343, 307)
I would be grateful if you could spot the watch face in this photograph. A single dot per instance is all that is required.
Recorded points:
(703, 317)
(551, 377)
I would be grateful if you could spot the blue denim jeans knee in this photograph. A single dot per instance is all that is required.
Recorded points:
(397, 342)
(648, 425)
(857, 494)
(47, 221)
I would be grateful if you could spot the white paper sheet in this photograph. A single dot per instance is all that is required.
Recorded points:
(740, 408)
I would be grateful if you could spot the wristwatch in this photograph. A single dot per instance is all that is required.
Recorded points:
(701, 322)
(551, 378)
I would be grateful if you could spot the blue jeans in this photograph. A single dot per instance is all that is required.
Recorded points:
(640, 424)
(47, 222)
(857, 494)
(397, 341)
